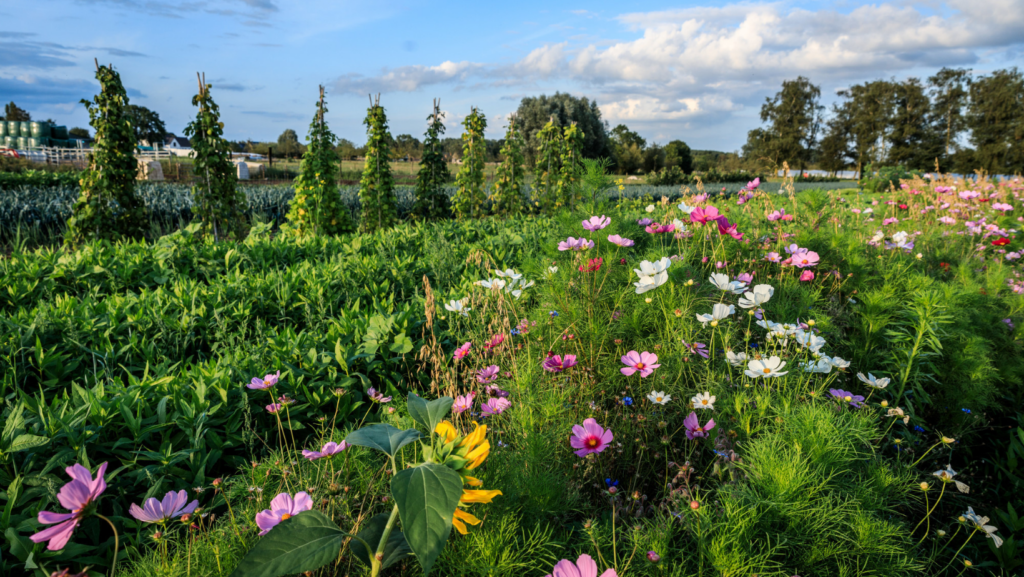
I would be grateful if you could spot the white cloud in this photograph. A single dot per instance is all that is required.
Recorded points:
(406, 78)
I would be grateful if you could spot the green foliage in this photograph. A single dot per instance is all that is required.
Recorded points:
(429, 413)
(317, 207)
(39, 178)
(885, 178)
(507, 197)
(396, 548)
(382, 437)
(794, 116)
(14, 113)
(571, 167)
(470, 195)
(535, 112)
(547, 168)
(108, 207)
(302, 543)
(376, 187)
(220, 206)
(431, 201)
(146, 124)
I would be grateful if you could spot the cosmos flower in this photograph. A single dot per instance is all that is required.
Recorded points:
(855, 401)
(946, 476)
(157, 511)
(694, 430)
(76, 496)
(703, 400)
(736, 359)
(979, 524)
(575, 244)
(590, 438)
(458, 306)
(328, 450)
(596, 223)
(461, 352)
(658, 397)
(770, 367)
(378, 397)
(487, 375)
(872, 381)
(557, 364)
(756, 297)
(722, 282)
(495, 406)
(644, 362)
(623, 242)
(584, 567)
(718, 312)
(265, 383)
(704, 215)
(463, 403)
(281, 508)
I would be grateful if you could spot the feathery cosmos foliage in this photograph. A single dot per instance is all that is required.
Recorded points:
(220, 205)
(317, 207)
(110, 177)
(377, 185)
(431, 201)
(469, 198)
(507, 197)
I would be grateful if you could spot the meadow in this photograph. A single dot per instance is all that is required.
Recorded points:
(676, 382)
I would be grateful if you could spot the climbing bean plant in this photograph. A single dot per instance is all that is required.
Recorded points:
(571, 166)
(548, 168)
(507, 197)
(219, 204)
(377, 185)
(469, 195)
(107, 206)
(431, 200)
(317, 207)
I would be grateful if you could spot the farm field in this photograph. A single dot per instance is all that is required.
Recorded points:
(771, 381)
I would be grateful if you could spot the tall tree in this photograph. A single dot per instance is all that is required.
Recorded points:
(82, 133)
(628, 149)
(794, 115)
(535, 112)
(507, 197)
(677, 153)
(912, 141)
(317, 207)
(13, 113)
(220, 205)
(431, 201)
(996, 121)
(406, 145)
(288, 144)
(147, 125)
(950, 89)
(110, 178)
(834, 148)
(377, 200)
(469, 195)
(869, 107)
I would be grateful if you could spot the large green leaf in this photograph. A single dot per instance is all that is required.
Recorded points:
(382, 437)
(429, 414)
(23, 442)
(427, 496)
(302, 543)
(396, 549)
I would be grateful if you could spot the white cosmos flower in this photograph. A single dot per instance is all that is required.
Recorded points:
(658, 397)
(718, 312)
(495, 283)
(650, 208)
(839, 363)
(871, 381)
(765, 368)
(703, 400)
(979, 522)
(680, 225)
(458, 307)
(509, 273)
(821, 365)
(946, 476)
(900, 239)
(736, 359)
(757, 297)
(647, 283)
(685, 209)
(879, 237)
(899, 414)
(810, 340)
(648, 268)
(723, 283)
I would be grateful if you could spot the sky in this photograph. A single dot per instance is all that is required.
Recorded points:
(694, 71)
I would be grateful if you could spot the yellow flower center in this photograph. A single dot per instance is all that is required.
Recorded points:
(714, 323)
(704, 401)
(286, 516)
(657, 399)
(767, 370)
(639, 365)
(592, 442)
(847, 398)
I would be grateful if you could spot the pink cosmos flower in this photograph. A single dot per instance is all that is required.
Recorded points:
(623, 242)
(805, 259)
(487, 375)
(495, 391)
(656, 228)
(266, 382)
(281, 508)
(778, 214)
(495, 406)
(172, 507)
(575, 244)
(694, 430)
(327, 450)
(273, 408)
(463, 403)
(1002, 206)
(77, 495)
(889, 221)
(947, 220)
(584, 567)
(556, 364)
(644, 221)
(644, 362)
(794, 249)
(590, 438)
(495, 341)
(704, 215)
(773, 257)
(461, 352)
(596, 223)
(377, 396)
(745, 277)
(806, 276)
(730, 229)
(753, 184)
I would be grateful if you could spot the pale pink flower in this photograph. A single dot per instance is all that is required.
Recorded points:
(463, 403)
(644, 362)
(156, 511)
(327, 450)
(584, 567)
(487, 375)
(596, 223)
(495, 406)
(266, 382)
(623, 242)
(76, 496)
(281, 508)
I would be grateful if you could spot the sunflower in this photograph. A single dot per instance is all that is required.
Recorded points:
(463, 454)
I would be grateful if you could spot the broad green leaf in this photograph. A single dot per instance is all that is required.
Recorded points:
(427, 497)
(429, 414)
(23, 442)
(396, 549)
(302, 543)
(382, 437)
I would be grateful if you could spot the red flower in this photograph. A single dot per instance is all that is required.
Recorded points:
(1001, 241)
(982, 200)
(593, 265)
(903, 207)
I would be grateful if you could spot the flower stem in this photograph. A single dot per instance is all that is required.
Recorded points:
(926, 453)
(113, 565)
(959, 550)
(928, 514)
(379, 556)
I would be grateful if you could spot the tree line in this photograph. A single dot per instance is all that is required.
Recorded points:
(955, 120)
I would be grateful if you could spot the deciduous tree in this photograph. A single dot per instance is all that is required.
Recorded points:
(536, 111)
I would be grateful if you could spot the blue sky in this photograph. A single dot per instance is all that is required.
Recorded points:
(695, 71)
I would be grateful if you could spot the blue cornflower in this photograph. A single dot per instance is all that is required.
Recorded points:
(919, 428)
(753, 345)
(968, 411)
(554, 313)
(628, 401)
(515, 332)
(611, 482)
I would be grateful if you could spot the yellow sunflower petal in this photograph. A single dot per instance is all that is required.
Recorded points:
(478, 495)
(446, 430)
(475, 438)
(477, 456)
(467, 517)
(472, 481)
(459, 525)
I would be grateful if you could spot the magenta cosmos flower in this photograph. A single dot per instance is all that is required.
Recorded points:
(693, 428)
(557, 364)
(495, 406)
(623, 242)
(644, 362)
(590, 438)
(377, 396)
(266, 382)
(281, 508)
(461, 352)
(487, 375)
(585, 566)
(172, 507)
(463, 403)
(724, 228)
(656, 228)
(77, 495)
(596, 223)
(704, 215)
(806, 276)
(327, 450)
(575, 244)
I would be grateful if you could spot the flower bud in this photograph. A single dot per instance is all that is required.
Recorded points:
(653, 557)
(924, 486)
(694, 505)
(885, 404)
(612, 490)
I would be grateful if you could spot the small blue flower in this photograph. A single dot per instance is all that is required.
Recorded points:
(919, 428)
(611, 482)
(515, 332)
(628, 401)
(968, 411)
(554, 313)
(753, 345)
